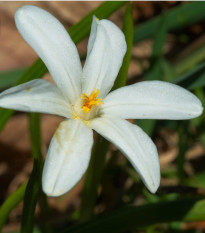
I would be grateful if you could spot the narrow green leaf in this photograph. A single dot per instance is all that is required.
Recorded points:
(183, 137)
(128, 30)
(159, 38)
(176, 18)
(132, 217)
(36, 142)
(9, 78)
(46, 226)
(10, 203)
(34, 184)
(190, 61)
(168, 73)
(154, 71)
(35, 135)
(5, 115)
(93, 177)
(30, 199)
(192, 79)
(147, 125)
(77, 32)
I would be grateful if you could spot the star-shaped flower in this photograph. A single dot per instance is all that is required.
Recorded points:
(81, 96)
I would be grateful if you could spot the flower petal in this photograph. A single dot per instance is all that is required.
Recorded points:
(47, 36)
(152, 100)
(36, 96)
(68, 157)
(135, 144)
(106, 49)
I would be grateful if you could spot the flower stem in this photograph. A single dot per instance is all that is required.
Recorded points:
(10, 203)
(93, 177)
(34, 183)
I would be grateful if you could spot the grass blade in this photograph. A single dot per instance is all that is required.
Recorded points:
(154, 71)
(10, 203)
(30, 199)
(192, 79)
(93, 177)
(183, 138)
(130, 217)
(128, 30)
(190, 61)
(9, 78)
(34, 184)
(176, 18)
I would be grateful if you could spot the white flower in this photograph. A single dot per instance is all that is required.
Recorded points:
(81, 96)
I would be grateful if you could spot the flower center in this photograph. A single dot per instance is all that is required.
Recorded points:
(86, 108)
(91, 100)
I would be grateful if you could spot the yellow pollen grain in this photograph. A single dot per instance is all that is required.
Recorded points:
(91, 100)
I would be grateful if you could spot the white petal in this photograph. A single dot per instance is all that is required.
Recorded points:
(135, 144)
(106, 49)
(36, 96)
(68, 157)
(92, 37)
(47, 36)
(152, 100)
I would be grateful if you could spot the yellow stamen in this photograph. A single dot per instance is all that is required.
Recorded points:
(91, 100)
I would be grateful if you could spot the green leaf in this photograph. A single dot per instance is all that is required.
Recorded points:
(159, 38)
(154, 71)
(35, 135)
(192, 79)
(128, 30)
(30, 199)
(190, 61)
(183, 138)
(34, 184)
(147, 125)
(176, 18)
(10, 203)
(129, 217)
(9, 78)
(77, 32)
(167, 71)
(93, 178)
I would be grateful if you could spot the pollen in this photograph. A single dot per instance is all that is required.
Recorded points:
(90, 101)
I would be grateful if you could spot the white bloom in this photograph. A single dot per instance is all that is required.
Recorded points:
(81, 96)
